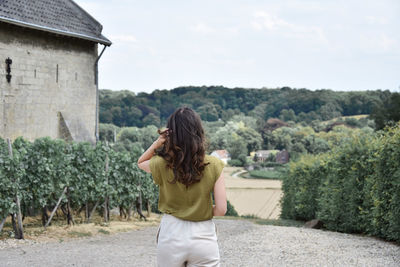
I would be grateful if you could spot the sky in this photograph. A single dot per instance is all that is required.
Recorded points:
(340, 45)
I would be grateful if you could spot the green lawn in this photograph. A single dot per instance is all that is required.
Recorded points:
(275, 173)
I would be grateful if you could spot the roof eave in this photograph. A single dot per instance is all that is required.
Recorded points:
(104, 41)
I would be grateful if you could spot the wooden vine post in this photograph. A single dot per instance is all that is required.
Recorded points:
(93, 210)
(70, 217)
(56, 207)
(139, 202)
(19, 229)
(148, 208)
(106, 215)
(2, 224)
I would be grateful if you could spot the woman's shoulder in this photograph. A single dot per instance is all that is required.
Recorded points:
(215, 166)
(212, 160)
(157, 160)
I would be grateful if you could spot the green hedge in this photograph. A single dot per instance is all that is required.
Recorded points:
(301, 188)
(266, 174)
(355, 188)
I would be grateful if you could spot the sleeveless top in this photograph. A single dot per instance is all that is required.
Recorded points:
(193, 203)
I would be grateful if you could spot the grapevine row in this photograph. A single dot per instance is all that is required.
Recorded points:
(78, 176)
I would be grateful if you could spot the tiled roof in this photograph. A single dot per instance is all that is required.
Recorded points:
(222, 154)
(63, 17)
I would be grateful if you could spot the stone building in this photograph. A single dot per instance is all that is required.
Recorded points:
(48, 70)
(282, 157)
(264, 155)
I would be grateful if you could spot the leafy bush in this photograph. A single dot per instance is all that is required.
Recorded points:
(230, 211)
(355, 188)
(269, 164)
(266, 174)
(341, 203)
(235, 163)
(301, 188)
(7, 185)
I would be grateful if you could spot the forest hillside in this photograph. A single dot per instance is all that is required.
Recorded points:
(125, 108)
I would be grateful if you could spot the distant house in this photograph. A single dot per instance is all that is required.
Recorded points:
(48, 70)
(263, 155)
(282, 157)
(222, 155)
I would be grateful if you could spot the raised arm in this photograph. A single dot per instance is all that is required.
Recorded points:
(144, 159)
(219, 208)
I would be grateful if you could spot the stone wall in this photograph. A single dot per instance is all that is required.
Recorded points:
(51, 74)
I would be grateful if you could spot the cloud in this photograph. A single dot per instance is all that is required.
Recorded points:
(264, 21)
(269, 22)
(123, 38)
(202, 28)
(378, 43)
(373, 20)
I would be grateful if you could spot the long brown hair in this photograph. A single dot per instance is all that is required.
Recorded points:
(184, 148)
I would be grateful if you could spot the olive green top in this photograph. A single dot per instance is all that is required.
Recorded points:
(193, 203)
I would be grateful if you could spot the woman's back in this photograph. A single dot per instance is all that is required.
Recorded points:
(193, 203)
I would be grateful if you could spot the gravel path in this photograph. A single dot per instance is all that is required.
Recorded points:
(242, 243)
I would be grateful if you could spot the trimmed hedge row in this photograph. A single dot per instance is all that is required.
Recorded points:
(354, 189)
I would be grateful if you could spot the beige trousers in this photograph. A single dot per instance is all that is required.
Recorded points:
(186, 243)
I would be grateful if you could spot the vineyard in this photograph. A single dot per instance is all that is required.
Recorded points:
(40, 177)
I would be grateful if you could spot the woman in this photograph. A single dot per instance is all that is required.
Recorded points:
(186, 178)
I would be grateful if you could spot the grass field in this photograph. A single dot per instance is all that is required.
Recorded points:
(259, 198)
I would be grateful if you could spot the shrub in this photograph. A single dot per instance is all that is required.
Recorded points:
(355, 188)
(235, 163)
(230, 211)
(269, 164)
(265, 174)
(384, 187)
(301, 188)
(343, 200)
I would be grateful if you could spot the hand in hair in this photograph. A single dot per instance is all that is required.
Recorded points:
(144, 160)
(163, 134)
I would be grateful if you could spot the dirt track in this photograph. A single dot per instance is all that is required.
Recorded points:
(242, 243)
(259, 197)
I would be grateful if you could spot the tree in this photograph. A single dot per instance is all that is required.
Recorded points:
(147, 135)
(329, 111)
(237, 147)
(132, 116)
(252, 139)
(221, 138)
(388, 113)
(151, 119)
(132, 134)
(107, 131)
(208, 112)
(287, 115)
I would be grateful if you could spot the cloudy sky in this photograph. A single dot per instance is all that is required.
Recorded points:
(314, 44)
